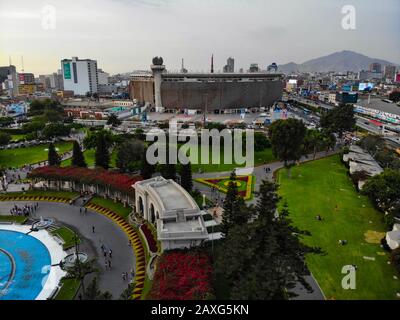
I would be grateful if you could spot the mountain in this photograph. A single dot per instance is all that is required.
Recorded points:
(339, 62)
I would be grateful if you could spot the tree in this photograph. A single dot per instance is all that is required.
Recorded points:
(339, 119)
(312, 142)
(80, 269)
(395, 259)
(93, 292)
(78, 160)
(186, 177)
(102, 155)
(5, 138)
(113, 120)
(147, 169)
(235, 210)
(90, 141)
(394, 96)
(53, 157)
(287, 137)
(127, 293)
(168, 171)
(55, 130)
(6, 121)
(263, 259)
(129, 155)
(261, 141)
(384, 190)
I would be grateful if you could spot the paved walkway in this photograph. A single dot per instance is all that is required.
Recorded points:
(106, 232)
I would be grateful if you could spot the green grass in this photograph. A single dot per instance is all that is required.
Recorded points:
(323, 188)
(15, 219)
(260, 157)
(118, 208)
(22, 156)
(90, 159)
(68, 290)
(17, 137)
(63, 194)
(67, 235)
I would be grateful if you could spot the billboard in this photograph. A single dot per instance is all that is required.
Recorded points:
(67, 70)
(397, 78)
(365, 86)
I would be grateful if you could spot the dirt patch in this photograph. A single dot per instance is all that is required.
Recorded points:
(374, 237)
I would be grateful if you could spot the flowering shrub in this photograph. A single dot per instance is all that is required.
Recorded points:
(151, 241)
(98, 176)
(245, 184)
(182, 275)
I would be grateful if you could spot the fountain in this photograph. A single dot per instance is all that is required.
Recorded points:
(70, 260)
(43, 223)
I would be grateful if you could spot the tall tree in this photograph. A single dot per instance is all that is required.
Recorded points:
(263, 259)
(53, 157)
(93, 292)
(287, 138)
(186, 176)
(113, 120)
(102, 155)
(129, 155)
(234, 208)
(339, 119)
(147, 169)
(78, 160)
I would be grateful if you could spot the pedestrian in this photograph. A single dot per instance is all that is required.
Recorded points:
(105, 253)
(80, 210)
(110, 253)
(85, 210)
(93, 229)
(109, 264)
(105, 264)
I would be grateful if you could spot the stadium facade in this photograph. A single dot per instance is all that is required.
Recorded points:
(199, 91)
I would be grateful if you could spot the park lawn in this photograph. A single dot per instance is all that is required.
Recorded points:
(21, 156)
(17, 137)
(15, 219)
(90, 159)
(68, 290)
(67, 235)
(323, 188)
(116, 207)
(260, 157)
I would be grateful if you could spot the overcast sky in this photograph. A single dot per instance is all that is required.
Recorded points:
(123, 35)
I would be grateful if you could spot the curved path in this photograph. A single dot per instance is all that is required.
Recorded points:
(107, 233)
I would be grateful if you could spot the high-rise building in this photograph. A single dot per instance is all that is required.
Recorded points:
(230, 66)
(375, 67)
(8, 80)
(272, 68)
(80, 75)
(254, 67)
(26, 78)
(390, 72)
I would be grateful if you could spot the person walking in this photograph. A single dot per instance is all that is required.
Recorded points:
(110, 253)
(93, 229)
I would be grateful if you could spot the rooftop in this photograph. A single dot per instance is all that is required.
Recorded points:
(378, 104)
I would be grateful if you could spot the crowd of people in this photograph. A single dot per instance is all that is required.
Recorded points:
(25, 210)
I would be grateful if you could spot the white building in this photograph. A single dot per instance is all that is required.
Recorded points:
(80, 76)
(170, 208)
(103, 77)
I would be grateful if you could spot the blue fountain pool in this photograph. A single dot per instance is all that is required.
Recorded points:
(24, 265)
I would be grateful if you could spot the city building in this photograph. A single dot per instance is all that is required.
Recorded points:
(26, 78)
(173, 212)
(345, 97)
(369, 75)
(215, 92)
(375, 67)
(8, 80)
(254, 68)
(230, 66)
(390, 72)
(272, 68)
(103, 77)
(80, 75)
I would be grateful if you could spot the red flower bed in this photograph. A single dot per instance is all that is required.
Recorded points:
(98, 176)
(182, 276)
(149, 238)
